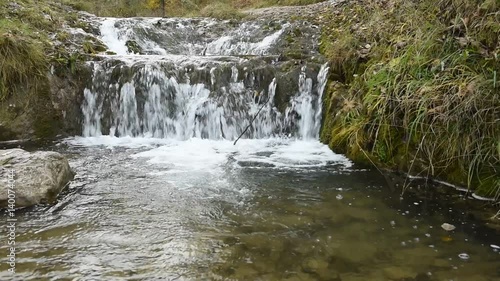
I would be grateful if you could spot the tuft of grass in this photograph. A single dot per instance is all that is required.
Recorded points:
(22, 62)
(418, 89)
(220, 10)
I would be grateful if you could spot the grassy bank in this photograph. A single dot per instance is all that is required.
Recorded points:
(415, 86)
(32, 39)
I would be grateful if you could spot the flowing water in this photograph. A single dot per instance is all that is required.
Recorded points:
(163, 193)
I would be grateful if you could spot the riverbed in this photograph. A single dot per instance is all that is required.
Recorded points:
(270, 209)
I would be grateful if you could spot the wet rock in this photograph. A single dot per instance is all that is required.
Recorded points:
(357, 251)
(313, 265)
(422, 277)
(417, 256)
(441, 263)
(133, 47)
(319, 268)
(245, 272)
(38, 177)
(300, 276)
(398, 273)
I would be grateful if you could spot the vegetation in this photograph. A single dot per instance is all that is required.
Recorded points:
(27, 29)
(415, 86)
(219, 9)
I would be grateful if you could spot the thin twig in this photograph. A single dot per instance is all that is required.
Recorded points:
(253, 119)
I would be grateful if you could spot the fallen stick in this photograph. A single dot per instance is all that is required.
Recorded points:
(253, 119)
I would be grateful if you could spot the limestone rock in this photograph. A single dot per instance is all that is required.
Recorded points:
(35, 177)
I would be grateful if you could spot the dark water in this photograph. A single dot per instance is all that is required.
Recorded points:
(266, 210)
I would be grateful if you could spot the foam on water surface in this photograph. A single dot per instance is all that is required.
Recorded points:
(205, 154)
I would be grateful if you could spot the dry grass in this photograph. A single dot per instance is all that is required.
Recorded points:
(218, 9)
(417, 88)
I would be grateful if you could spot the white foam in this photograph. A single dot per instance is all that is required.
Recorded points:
(204, 154)
(112, 141)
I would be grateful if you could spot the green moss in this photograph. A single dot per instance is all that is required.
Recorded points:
(133, 47)
(297, 55)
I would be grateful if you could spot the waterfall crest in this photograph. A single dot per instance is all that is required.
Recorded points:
(190, 80)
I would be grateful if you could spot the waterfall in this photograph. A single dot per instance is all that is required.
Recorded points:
(170, 92)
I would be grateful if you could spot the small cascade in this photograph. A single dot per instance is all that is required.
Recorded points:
(170, 91)
(92, 117)
(127, 120)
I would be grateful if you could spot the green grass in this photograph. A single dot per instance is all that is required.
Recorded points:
(26, 52)
(416, 88)
(221, 10)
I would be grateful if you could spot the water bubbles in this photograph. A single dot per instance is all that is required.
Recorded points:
(339, 197)
(403, 243)
(427, 235)
(495, 247)
(393, 223)
(463, 256)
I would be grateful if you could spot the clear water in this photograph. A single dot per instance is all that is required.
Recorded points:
(275, 209)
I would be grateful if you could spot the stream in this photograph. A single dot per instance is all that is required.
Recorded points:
(162, 192)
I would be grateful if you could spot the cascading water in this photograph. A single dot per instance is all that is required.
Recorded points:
(170, 91)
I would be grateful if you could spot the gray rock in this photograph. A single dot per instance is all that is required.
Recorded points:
(38, 177)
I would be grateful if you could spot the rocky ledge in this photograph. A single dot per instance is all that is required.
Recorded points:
(31, 178)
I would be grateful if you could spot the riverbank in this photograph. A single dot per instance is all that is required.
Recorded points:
(43, 45)
(414, 87)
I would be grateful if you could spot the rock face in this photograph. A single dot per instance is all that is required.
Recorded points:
(38, 177)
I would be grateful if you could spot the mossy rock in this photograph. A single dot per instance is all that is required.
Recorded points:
(92, 47)
(133, 47)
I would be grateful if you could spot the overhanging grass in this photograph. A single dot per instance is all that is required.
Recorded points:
(417, 87)
(22, 60)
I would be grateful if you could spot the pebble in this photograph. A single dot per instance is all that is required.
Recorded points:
(448, 227)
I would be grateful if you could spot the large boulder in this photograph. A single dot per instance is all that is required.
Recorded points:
(35, 177)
